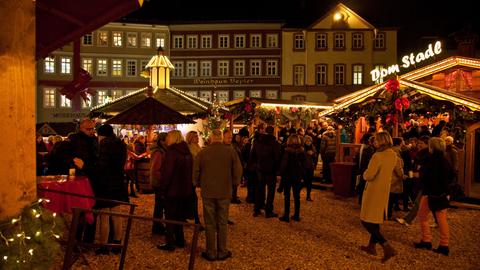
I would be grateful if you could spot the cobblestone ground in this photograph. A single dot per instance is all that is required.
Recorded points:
(327, 237)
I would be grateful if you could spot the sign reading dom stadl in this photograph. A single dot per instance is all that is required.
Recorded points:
(407, 60)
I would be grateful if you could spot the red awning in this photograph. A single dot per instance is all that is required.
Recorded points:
(59, 22)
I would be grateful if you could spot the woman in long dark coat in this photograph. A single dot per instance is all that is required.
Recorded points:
(175, 188)
(292, 170)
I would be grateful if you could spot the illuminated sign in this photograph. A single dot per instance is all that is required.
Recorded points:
(407, 60)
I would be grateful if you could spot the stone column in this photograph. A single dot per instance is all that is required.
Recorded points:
(17, 106)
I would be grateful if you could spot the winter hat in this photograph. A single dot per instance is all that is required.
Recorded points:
(105, 130)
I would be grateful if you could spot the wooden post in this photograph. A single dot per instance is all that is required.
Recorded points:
(17, 106)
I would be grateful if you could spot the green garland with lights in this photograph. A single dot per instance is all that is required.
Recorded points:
(30, 241)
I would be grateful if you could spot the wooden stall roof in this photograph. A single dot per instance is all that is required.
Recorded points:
(171, 98)
(59, 22)
(409, 80)
(56, 128)
(280, 103)
(149, 112)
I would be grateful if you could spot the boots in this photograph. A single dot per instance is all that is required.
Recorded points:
(388, 252)
(370, 249)
(442, 250)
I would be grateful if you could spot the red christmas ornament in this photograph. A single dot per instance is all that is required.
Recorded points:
(392, 85)
(248, 107)
(277, 110)
(405, 103)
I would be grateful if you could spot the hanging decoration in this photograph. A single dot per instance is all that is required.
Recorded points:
(77, 89)
(215, 120)
(452, 76)
(30, 241)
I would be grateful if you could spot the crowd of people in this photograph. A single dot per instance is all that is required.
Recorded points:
(419, 174)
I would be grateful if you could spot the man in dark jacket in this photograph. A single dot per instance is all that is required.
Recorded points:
(84, 146)
(108, 183)
(266, 158)
(328, 148)
(217, 169)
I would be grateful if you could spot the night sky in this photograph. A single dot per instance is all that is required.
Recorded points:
(413, 18)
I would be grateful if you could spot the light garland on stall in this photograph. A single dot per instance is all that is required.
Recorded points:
(29, 241)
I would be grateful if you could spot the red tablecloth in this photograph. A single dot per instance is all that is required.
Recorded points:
(60, 203)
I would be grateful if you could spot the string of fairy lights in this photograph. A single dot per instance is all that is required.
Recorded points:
(20, 242)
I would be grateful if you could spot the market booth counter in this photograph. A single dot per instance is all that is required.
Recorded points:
(143, 175)
(344, 169)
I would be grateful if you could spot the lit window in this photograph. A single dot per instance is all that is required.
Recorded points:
(272, 41)
(222, 96)
(339, 41)
(272, 67)
(206, 95)
(178, 70)
(298, 75)
(49, 65)
(144, 64)
(223, 41)
(117, 93)
(65, 65)
(193, 93)
(117, 67)
(131, 39)
(238, 94)
(146, 40)
(339, 74)
(192, 42)
(206, 42)
(102, 38)
(357, 41)
(379, 41)
(358, 74)
(299, 41)
(117, 39)
(256, 93)
(101, 97)
(102, 67)
(239, 68)
(160, 40)
(380, 79)
(256, 41)
(131, 68)
(222, 68)
(65, 102)
(177, 42)
(87, 39)
(239, 41)
(191, 69)
(49, 97)
(321, 41)
(205, 68)
(271, 94)
(321, 74)
(87, 65)
(255, 67)
(88, 103)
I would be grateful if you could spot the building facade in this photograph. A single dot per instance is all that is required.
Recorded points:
(114, 55)
(333, 56)
(233, 60)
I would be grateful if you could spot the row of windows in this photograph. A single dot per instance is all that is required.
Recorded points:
(100, 66)
(120, 39)
(191, 68)
(321, 74)
(321, 41)
(50, 96)
(223, 41)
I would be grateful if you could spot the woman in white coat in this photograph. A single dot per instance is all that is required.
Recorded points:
(378, 177)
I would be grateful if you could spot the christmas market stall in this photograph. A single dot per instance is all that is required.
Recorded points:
(446, 91)
(251, 111)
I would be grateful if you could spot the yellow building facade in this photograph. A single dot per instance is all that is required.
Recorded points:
(334, 55)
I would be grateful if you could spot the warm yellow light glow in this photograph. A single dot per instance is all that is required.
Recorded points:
(5, 257)
(338, 16)
(37, 233)
(295, 105)
(30, 251)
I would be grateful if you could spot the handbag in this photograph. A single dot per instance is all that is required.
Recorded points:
(438, 202)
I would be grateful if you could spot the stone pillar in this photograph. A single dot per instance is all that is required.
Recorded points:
(17, 106)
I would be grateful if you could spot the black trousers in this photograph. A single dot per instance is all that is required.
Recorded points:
(295, 187)
(265, 180)
(251, 178)
(393, 202)
(308, 181)
(375, 235)
(327, 173)
(175, 210)
(158, 212)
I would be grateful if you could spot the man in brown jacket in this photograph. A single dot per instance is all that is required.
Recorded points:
(217, 169)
